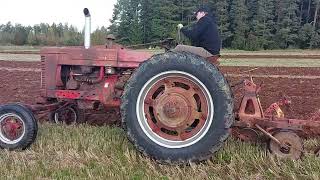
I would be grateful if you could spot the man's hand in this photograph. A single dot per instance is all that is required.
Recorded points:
(180, 26)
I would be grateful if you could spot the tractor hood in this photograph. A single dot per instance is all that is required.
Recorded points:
(117, 56)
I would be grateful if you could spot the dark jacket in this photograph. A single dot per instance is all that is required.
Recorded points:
(204, 34)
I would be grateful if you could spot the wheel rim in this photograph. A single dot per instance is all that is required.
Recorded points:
(291, 145)
(67, 116)
(12, 128)
(175, 109)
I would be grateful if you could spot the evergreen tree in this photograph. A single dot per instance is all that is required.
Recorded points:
(239, 24)
(223, 22)
(288, 24)
(129, 29)
(146, 17)
(20, 35)
(306, 35)
(32, 39)
(51, 38)
(99, 36)
(263, 25)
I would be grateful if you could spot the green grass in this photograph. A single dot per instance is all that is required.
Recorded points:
(277, 52)
(271, 62)
(19, 48)
(262, 52)
(105, 153)
(19, 57)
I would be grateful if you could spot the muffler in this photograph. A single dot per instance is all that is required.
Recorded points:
(87, 28)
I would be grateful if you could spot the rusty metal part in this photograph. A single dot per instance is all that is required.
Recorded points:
(197, 118)
(12, 128)
(246, 134)
(290, 146)
(250, 105)
(275, 107)
(55, 59)
(100, 78)
(268, 134)
(86, 79)
(176, 108)
(250, 114)
(45, 107)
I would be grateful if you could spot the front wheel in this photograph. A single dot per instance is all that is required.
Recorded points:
(177, 107)
(18, 127)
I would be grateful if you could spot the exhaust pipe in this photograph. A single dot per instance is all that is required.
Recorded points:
(87, 28)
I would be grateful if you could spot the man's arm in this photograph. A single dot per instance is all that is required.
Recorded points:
(197, 30)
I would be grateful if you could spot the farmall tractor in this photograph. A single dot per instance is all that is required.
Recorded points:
(175, 107)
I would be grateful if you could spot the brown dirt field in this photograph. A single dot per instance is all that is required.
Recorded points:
(20, 64)
(23, 86)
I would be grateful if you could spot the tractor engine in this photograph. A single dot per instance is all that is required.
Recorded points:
(88, 75)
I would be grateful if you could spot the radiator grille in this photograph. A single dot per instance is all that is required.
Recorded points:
(43, 77)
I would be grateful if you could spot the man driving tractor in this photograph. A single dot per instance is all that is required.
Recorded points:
(204, 36)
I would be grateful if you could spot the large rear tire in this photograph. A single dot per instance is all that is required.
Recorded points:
(177, 108)
(18, 127)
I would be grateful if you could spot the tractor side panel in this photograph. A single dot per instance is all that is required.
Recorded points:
(49, 65)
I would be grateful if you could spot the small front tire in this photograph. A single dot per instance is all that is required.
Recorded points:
(18, 127)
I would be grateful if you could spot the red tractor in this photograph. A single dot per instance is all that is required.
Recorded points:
(175, 107)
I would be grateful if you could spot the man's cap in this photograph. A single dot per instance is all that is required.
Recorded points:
(205, 9)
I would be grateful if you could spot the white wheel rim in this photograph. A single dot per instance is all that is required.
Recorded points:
(3, 137)
(142, 117)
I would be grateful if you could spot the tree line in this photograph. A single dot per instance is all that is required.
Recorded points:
(47, 35)
(243, 24)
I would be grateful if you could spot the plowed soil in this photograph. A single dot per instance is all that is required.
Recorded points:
(20, 82)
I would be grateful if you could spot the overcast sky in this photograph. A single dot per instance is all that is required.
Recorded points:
(30, 12)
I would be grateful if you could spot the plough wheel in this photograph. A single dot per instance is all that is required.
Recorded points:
(18, 127)
(69, 115)
(177, 108)
(291, 145)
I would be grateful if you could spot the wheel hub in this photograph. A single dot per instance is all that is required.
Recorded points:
(11, 128)
(172, 109)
